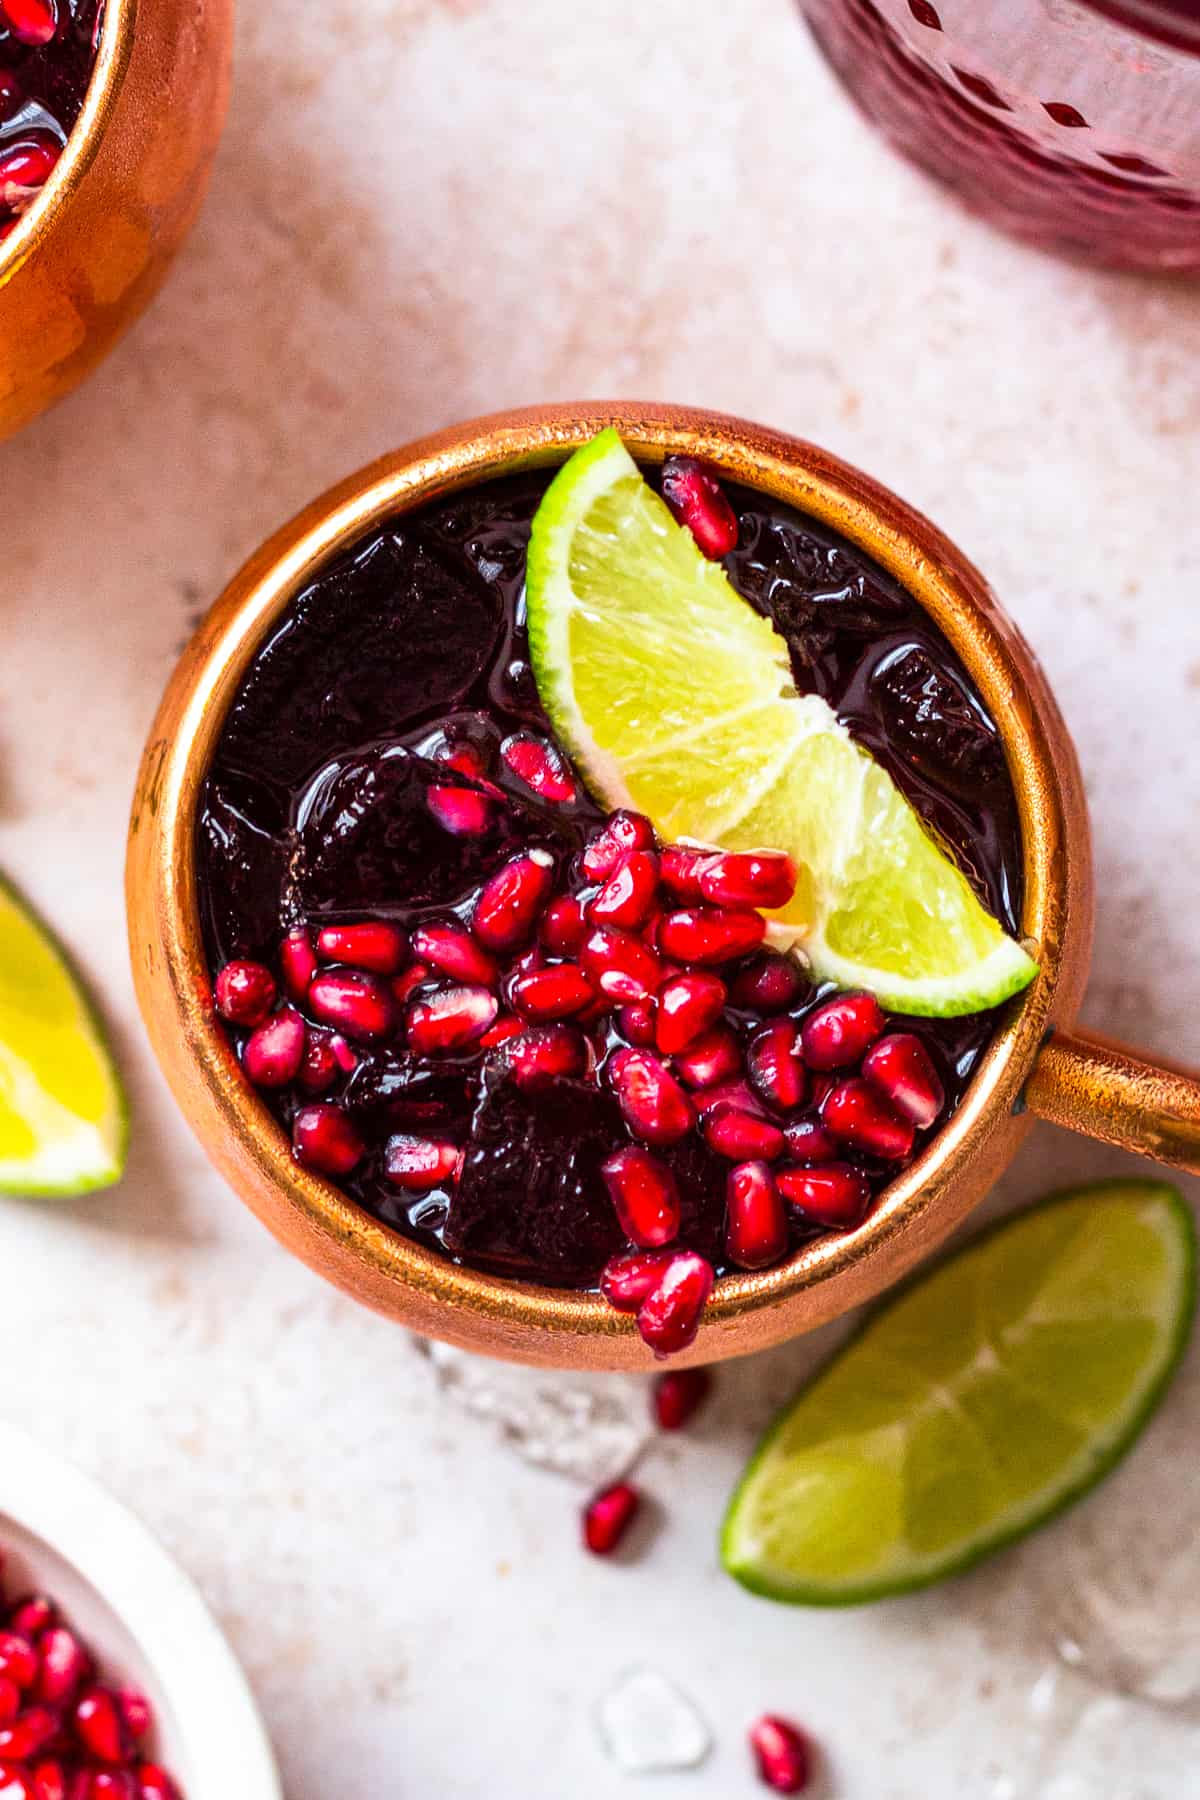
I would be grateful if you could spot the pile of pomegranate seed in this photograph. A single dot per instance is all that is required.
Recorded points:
(46, 53)
(639, 969)
(64, 1733)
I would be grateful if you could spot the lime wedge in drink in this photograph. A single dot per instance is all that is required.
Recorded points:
(63, 1119)
(979, 1402)
(676, 698)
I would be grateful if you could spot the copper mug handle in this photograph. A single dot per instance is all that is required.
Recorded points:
(1091, 1084)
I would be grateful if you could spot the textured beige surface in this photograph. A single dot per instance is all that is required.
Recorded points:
(423, 211)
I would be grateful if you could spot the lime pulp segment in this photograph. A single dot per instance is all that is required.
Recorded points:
(978, 1403)
(63, 1118)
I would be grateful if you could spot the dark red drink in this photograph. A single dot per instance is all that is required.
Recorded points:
(47, 50)
(1072, 123)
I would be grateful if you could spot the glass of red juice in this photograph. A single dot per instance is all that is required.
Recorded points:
(1074, 124)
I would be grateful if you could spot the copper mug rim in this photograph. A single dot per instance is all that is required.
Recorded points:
(83, 141)
(521, 1320)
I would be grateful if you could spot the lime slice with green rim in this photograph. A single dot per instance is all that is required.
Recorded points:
(981, 1401)
(63, 1119)
(676, 698)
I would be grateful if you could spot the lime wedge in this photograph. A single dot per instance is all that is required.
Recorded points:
(981, 1401)
(676, 698)
(63, 1119)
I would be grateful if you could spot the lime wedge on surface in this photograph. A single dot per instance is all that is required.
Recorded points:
(675, 697)
(980, 1401)
(63, 1120)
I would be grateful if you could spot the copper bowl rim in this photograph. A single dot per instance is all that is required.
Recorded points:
(83, 142)
(927, 564)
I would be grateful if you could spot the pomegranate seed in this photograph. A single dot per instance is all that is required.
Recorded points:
(810, 1141)
(644, 1194)
(100, 1727)
(452, 950)
(836, 1195)
(31, 1616)
(155, 1783)
(756, 1232)
(360, 1006)
(679, 870)
(297, 962)
(608, 1517)
(325, 1140)
(741, 1136)
(679, 1395)
(14, 1783)
(507, 909)
(669, 1316)
(12, 95)
(506, 1026)
(901, 1068)
(729, 1096)
(30, 21)
(245, 992)
(563, 927)
(553, 1053)
(621, 966)
(857, 1114)
(464, 812)
(635, 1022)
(450, 1019)
(65, 1666)
(768, 984)
(49, 1781)
(710, 934)
(656, 1108)
(540, 766)
(29, 1734)
(623, 832)
(697, 500)
(137, 1712)
(415, 976)
(418, 1164)
(627, 897)
(782, 1754)
(345, 1058)
(10, 1700)
(318, 1066)
(763, 878)
(554, 993)
(112, 1784)
(841, 1031)
(687, 1005)
(380, 948)
(463, 757)
(18, 1659)
(714, 1058)
(273, 1054)
(774, 1068)
(628, 1279)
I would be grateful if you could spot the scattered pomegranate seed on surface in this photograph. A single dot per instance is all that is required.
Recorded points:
(419, 1164)
(782, 1754)
(450, 1019)
(274, 1052)
(627, 897)
(841, 1031)
(623, 832)
(554, 993)
(742, 1136)
(710, 1060)
(810, 1141)
(835, 1195)
(563, 927)
(245, 992)
(30, 21)
(710, 935)
(656, 1108)
(688, 1005)
(857, 1113)
(669, 1316)
(379, 948)
(774, 1067)
(608, 1516)
(696, 499)
(360, 1006)
(630, 1278)
(644, 1195)
(507, 910)
(540, 766)
(768, 983)
(902, 1069)
(620, 965)
(678, 1396)
(325, 1140)
(462, 811)
(298, 962)
(753, 878)
(545, 1054)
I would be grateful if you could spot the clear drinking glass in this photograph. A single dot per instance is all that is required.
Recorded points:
(1072, 123)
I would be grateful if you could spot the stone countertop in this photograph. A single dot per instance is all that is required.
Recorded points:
(425, 209)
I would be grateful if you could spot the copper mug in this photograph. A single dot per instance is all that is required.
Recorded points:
(1036, 1065)
(93, 249)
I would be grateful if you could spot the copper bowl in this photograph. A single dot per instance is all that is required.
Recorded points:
(92, 250)
(1034, 1065)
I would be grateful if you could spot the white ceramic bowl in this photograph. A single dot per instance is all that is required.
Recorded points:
(141, 1615)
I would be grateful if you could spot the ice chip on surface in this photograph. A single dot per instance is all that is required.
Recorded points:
(649, 1727)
